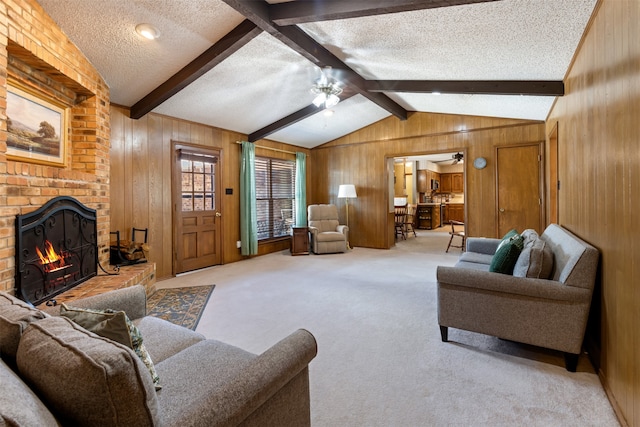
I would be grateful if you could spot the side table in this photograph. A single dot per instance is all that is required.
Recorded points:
(300, 241)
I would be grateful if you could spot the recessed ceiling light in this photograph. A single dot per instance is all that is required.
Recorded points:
(147, 31)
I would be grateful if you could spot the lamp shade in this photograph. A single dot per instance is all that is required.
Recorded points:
(347, 191)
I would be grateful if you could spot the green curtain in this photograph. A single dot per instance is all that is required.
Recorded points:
(248, 219)
(301, 189)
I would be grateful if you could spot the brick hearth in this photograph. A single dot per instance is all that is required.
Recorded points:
(143, 274)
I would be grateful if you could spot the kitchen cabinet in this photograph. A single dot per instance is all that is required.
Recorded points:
(424, 183)
(457, 183)
(452, 183)
(455, 212)
(435, 217)
(445, 183)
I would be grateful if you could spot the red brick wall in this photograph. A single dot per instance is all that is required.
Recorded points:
(45, 60)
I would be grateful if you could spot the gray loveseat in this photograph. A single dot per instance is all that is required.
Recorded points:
(54, 372)
(526, 307)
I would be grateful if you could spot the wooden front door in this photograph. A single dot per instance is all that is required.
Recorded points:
(197, 216)
(519, 188)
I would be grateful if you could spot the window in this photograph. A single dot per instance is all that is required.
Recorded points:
(198, 173)
(275, 196)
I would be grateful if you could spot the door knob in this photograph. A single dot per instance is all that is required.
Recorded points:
(218, 214)
(501, 209)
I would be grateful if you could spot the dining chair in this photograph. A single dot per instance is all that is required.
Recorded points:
(400, 218)
(456, 233)
(410, 220)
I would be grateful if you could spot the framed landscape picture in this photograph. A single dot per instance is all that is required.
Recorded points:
(36, 127)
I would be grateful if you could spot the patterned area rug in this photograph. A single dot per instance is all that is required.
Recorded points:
(182, 306)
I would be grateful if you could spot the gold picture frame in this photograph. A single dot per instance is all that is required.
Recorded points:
(36, 127)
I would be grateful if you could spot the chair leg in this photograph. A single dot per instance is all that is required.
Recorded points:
(449, 245)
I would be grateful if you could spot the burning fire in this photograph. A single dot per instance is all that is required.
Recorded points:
(51, 260)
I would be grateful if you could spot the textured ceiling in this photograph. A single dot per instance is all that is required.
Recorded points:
(265, 80)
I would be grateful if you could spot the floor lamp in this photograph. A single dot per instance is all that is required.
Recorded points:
(347, 191)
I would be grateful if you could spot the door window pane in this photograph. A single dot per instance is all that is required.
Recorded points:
(198, 181)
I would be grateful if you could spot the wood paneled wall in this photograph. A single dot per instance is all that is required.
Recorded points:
(599, 171)
(360, 158)
(140, 179)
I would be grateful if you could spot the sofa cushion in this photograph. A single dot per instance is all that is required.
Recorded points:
(476, 257)
(15, 316)
(506, 255)
(19, 406)
(535, 260)
(116, 326)
(330, 236)
(472, 265)
(88, 379)
(163, 339)
(225, 364)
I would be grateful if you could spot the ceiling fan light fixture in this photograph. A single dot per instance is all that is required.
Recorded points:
(320, 99)
(148, 31)
(327, 91)
(332, 101)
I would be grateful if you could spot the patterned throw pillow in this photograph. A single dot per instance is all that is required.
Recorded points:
(116, 326)
(507, 255)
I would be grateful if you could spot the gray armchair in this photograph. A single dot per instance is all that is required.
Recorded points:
(327, 235)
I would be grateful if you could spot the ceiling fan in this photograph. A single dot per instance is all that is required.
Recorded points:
(456, 158)
(326, 89)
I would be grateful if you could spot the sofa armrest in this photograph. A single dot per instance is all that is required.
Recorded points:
(342, 229)
(269, 389)
(313, 230)
(482, 245)
(132, 300)
(517, 287)
(267, 375)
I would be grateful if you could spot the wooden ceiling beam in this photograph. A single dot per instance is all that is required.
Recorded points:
(301, 12)
(485, 87)
(221, 50)
(299, 41)
(283, 123)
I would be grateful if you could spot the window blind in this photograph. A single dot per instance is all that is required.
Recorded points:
(275, 196)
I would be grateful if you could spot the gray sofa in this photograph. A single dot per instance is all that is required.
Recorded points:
(54, 372)
(526, 307)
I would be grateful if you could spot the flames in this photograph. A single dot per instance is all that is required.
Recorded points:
(51, 260)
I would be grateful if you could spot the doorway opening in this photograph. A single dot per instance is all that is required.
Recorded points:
(434, 183)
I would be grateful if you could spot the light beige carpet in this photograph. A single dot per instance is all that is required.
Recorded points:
(380, 358)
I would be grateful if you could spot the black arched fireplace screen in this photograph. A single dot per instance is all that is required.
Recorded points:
(56, 249)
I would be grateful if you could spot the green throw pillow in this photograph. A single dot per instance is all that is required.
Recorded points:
(116, 326)
(507, 255)
(510, 234)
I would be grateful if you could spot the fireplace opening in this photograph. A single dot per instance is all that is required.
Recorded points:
(56, 249)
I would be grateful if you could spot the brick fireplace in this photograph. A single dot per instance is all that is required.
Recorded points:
(36, 54)
(56, 249)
